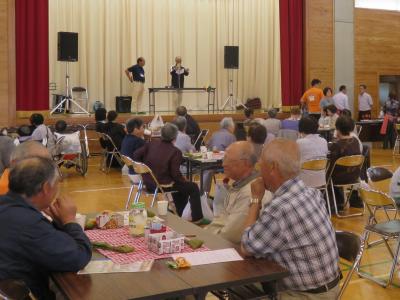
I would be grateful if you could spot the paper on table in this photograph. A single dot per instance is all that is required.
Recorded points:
(107, 266)
(210, 257)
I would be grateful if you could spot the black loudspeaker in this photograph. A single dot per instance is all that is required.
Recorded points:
(123, 104)
(231, 57)
(67, 46)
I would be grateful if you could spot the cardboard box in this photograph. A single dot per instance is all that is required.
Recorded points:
(166, 242)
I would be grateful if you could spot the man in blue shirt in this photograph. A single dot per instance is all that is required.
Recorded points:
(32, 246)
(135, 74)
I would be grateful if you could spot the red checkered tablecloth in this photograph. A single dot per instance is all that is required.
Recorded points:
(120, 236)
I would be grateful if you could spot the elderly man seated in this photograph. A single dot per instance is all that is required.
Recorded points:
(220, 140)
(294, 229)
(25, 150)
(31, 246)
(183, 141)
(238, 165)
(6, 148)
(164, 159)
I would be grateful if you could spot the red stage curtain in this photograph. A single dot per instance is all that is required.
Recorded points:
(32, 54)
(291, 26)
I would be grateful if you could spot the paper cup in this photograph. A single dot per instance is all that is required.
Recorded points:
(81, 220)
(209, 155)
(162, 207)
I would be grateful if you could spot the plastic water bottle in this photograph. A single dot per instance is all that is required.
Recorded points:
(137, 219)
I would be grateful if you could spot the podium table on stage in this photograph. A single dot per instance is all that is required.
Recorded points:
(210, 91)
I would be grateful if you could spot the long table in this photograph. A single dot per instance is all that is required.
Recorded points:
(201, 165)
(371, 130)
(152, 96)
(162, 282)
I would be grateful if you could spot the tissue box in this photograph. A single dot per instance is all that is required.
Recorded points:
(108, 220)
(166, 242)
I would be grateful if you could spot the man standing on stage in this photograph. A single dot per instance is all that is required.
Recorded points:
(178, 73)
(136, 76)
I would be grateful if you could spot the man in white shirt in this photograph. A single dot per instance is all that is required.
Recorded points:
(311, 147)
(341, 100)
(364, 104)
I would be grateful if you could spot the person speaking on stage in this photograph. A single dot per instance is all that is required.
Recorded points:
(178, 73)
(135, 74)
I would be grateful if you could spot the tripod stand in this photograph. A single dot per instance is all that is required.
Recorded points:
(230, 100)
(68, 100)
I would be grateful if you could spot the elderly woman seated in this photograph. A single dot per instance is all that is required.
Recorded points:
(164, 159)
(220, 140)
(345, 145)
(257, 135)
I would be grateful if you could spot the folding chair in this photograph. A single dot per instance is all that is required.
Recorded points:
(379, 178)
(351, 248)
(114, 153)
(319, 165)
(200, 139)
(141, 169)
(358, 129)
(397, 143)
(81, 96)
(387, 230)
(353, 161)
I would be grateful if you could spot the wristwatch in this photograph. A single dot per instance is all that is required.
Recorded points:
(255, 201)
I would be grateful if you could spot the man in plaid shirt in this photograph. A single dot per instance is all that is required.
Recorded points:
(294, 229)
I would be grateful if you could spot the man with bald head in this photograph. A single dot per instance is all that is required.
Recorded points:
(239, 162)
(22, 151)
(31, 246)
(294, 229)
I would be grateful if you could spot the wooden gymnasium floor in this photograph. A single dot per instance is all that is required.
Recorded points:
(98, 191)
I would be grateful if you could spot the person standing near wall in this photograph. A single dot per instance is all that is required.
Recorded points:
(135, 74)
(364, 104)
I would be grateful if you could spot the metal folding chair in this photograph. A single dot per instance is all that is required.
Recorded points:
(379, 178)
(389, 229)
(114, 153)
(353, 161)
(141, 169)
(200, 139)
(351, 248)
(319, 165)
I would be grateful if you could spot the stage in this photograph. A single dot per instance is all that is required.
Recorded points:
(202, 117)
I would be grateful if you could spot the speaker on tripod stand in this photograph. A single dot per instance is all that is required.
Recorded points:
(231, 62)
(67, 51)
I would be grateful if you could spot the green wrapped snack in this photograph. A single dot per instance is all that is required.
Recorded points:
(194, 243)
(90, 224)
(107, 246)
(172, 264)
(123, 249)
(150, 214)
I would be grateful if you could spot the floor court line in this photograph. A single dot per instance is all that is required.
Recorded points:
(100, 190)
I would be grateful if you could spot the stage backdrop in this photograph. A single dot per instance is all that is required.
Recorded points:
(112, 34)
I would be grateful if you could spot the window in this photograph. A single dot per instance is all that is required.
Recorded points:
(379, 4)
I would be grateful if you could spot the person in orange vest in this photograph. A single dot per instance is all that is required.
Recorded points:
(310, 101)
